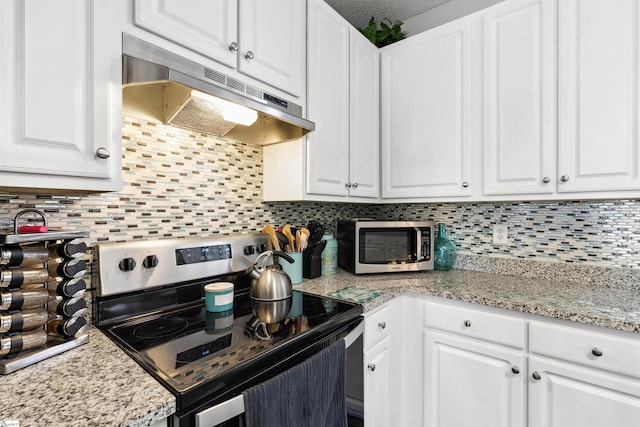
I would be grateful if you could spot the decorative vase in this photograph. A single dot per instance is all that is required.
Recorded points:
(445, 250)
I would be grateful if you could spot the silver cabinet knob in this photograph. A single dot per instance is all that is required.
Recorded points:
(467, 323)
(233, 47)
(465, 184)
(249, 55)
(103, 153)
(546, 180)
(596, 352)
(536, 376)
(382, 325)
(515, 369)
(564, 178)
(355, 185)
(348, 185)
(371, 367)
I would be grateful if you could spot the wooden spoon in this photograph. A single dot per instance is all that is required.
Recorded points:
(286, 230)
(268, 229)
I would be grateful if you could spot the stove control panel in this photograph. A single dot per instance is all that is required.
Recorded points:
(203, 254)
(138, 265)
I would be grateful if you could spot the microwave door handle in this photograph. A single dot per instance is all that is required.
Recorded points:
(416, 246)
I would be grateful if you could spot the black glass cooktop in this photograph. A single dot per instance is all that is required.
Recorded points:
(193, 351)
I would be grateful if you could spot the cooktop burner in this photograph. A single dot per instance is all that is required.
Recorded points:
(160, 328)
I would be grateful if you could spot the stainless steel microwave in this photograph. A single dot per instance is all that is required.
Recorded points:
(368, 246)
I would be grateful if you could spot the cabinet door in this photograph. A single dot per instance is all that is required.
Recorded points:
(566, 395)
(204, 26)
(599, 95)
(378, 411)
(364, 146)
(328, 101)
(469, 383)
(58, 112)
(272, 42)
(519, 102)
(425, 105)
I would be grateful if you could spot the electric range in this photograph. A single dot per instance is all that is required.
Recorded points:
(149, 299)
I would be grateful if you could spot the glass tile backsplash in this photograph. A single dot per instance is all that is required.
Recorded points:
(179, 183)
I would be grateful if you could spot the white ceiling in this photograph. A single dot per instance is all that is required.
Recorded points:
(358, 12)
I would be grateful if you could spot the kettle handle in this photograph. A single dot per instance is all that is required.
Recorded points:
(283, 255)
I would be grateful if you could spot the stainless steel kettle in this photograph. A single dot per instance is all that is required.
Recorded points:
(269, 283)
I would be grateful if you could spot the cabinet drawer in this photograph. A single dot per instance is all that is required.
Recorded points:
(378, 324)
(496, 328)
(597, 349)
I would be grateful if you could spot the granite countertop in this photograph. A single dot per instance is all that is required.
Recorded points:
(588, 303)
(97, 384)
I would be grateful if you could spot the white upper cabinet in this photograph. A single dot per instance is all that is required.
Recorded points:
(262, 39)
(60, 108)
(425, 107)
(343, 151)
(272, 42)
(207, 27)
(519, 102)
(328, 101)
(599, 95)
(364, 118)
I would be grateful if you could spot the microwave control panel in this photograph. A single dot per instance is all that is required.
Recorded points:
(425, 243)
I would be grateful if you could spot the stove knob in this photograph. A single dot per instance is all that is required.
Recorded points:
(261, 248)
(150, 262)
(127, 264)
(249, 250)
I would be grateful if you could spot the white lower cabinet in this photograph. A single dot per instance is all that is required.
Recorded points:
(380, 365)
(562, 394)
(474, 367)
(378, 368)
(479, 370)
(582, 377)
(470, 383)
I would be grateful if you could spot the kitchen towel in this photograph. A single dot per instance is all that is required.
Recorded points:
(311, 394)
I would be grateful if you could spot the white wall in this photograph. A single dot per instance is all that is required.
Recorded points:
(444, 13)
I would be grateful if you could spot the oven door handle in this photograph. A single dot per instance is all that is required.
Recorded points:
(354, 334)
(233, 407)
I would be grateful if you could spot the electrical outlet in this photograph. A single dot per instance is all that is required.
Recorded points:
(500, 233)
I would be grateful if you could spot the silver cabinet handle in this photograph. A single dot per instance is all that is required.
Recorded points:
(465, 184)
(348, 185)
(596, 352)
(546, 180)
(564, 178)
(536, 376)
(515, 369)
(467, 323)
(233, 47)
(355, 185)
(371, 367)
(103, 153)
(249, 55)
(382, 325)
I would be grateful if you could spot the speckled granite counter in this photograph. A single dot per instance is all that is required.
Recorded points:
(95, 384)
(98, 385)
(589, 303)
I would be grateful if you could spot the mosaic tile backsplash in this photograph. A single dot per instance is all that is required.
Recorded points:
(180, 183)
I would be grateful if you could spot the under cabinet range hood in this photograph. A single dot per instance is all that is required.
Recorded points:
(162, 86)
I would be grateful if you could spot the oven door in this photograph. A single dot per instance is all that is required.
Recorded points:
(229, 412)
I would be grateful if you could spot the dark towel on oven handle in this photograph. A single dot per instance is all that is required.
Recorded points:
(311, 394)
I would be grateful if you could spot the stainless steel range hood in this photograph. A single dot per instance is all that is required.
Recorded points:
(162, 86)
